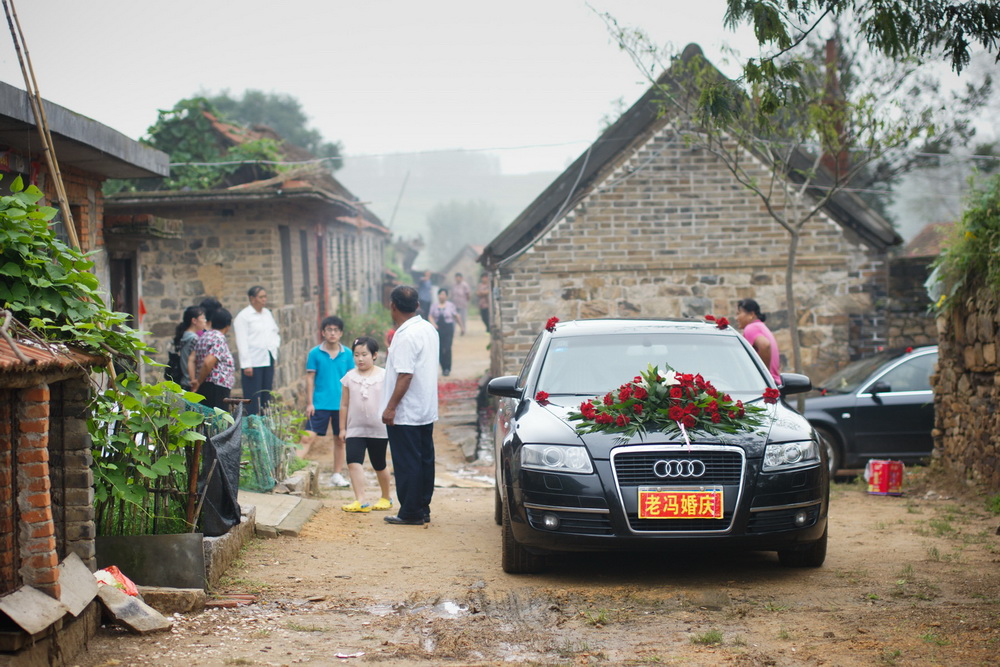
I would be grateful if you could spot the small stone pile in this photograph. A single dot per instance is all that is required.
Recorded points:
(967, 390)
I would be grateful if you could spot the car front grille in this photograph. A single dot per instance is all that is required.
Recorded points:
(723, 468)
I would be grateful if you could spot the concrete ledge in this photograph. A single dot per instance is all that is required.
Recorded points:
(222, 551)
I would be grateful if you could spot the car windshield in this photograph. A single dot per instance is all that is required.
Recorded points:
(593, 365)
(850, 377)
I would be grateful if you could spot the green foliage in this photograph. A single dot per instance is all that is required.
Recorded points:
(711, 638)
(993, 504)
(139, 432)
(49, 285)
(375, 323)
(142, 435)
(895, 30)
(971, 258)
(282, 113)
(201, 159)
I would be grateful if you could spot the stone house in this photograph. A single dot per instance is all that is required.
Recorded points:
(466, 262)
(89, 153)
(646, 225)
(303, 236)
(47, 548)
(909, 320)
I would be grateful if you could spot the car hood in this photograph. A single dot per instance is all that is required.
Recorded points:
(549, 423)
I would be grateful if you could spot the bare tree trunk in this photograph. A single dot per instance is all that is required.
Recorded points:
(793, 314)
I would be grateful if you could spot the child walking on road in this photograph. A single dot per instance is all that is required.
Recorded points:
(361, 421)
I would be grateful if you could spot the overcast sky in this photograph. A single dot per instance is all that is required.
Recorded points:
(380, 76)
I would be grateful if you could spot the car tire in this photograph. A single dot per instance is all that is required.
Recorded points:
(834, 455)
(514, 558)
(811, 556)
(497, 506)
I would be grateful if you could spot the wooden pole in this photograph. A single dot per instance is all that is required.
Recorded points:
(41, 122)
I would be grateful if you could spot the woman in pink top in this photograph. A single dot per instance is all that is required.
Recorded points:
(751, 320)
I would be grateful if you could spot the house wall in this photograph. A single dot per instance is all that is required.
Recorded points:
(226, 250)
(10, 556)
(909, 322)
(669, 233)
(86, 201)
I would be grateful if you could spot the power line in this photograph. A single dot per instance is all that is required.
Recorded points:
(343, 158)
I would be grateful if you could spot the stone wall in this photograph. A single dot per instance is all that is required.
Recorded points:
(967, 391)
(223, 252)
(669, 233)
(70, 470)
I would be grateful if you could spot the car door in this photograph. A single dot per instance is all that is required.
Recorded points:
(896, 422)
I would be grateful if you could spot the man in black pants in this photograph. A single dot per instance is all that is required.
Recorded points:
(410, 402)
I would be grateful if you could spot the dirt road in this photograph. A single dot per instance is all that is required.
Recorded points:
(912, 580)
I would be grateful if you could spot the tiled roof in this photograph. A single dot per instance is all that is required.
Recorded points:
(45, 360)
(928, 242)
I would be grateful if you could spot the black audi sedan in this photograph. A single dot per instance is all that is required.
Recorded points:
(881, 407)
(560, 487)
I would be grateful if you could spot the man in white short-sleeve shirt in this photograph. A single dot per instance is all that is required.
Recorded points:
(410, 406)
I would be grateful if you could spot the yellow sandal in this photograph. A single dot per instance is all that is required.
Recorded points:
(382, 504)
(357, 507)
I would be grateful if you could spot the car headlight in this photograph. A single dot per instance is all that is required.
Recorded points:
(790, 455)
(556, 458)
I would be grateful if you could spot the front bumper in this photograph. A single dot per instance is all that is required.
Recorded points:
(553, 512)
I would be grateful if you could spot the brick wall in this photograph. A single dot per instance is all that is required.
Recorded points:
(36, 530)
(226, 250)
(669, 233)
(10, 553)
(46, 482)
(83, 192)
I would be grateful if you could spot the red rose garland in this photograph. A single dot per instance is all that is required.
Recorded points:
(720, 322)
(677, 403)
(550, 326)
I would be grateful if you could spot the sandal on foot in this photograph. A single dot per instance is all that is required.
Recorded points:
(382, 504)
(357, 507)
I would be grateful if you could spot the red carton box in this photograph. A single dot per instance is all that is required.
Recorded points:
(885, 478)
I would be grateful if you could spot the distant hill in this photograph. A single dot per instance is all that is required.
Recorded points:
(435, 178)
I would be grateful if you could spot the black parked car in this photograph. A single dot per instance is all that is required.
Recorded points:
(558, 490)
(877, 408)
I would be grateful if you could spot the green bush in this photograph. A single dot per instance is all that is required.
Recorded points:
(971, 258)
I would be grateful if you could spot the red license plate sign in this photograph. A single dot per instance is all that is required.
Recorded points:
(680, 503)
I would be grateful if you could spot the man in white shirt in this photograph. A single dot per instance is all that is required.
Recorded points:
(257, 343)
(410, 403)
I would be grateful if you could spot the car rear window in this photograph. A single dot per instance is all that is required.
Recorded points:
(592, 365)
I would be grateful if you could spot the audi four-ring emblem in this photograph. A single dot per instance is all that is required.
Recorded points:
(678, 468)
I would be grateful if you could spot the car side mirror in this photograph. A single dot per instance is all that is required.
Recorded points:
(793, 383)
(879, 387)
(505, 386)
